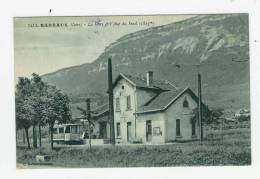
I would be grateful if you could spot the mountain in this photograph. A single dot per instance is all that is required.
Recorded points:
(219, 43)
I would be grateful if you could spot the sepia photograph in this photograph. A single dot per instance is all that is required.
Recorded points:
(132, 91)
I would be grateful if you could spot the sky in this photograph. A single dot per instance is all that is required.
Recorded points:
(48, 49)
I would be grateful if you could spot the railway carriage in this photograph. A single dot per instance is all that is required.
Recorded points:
(67, 133)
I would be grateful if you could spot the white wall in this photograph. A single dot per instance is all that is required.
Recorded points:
(157, 121)
(177, 111)
(166, 121)
(124, 115)
(96, 129)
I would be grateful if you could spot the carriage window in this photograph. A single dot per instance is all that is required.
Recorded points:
(74, 129)
(185, 104)
(54, 130)
(61, 130)
(67, 130)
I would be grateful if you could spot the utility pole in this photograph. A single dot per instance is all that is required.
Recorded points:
(111, 103)
(88, 116)
(200, 107)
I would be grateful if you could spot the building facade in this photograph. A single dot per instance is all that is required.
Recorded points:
(153, 111)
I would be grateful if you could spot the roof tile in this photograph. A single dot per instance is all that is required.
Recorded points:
(161, 101)
(157, 84)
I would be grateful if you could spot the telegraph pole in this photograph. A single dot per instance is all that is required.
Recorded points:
(200, 108)
(111, 103)
(88, 118)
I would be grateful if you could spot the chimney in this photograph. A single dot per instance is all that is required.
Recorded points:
(149, 78)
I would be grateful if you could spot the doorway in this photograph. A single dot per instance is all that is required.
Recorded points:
(129, 131)
(103, 130)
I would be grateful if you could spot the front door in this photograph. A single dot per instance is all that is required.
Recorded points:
(148, 131)
(129, 131)
(103, 130)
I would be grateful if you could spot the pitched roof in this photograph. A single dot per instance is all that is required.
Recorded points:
(101, 113)
(163, 100)
(159, 102)
(101, 109)
(140, 82)
(96, 112)
(165, 94)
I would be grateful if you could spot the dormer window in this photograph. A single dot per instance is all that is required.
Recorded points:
(185, 103)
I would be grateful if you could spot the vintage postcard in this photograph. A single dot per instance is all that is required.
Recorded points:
(132, 91)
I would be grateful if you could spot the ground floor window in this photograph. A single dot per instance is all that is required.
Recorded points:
(193, 128)
(178, 127)
(118, 129)
(148, 131)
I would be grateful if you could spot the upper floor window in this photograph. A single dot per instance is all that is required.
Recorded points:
(128, 102)
(117, 104)
(185, 104)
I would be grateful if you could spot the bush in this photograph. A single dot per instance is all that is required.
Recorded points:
(243, 118)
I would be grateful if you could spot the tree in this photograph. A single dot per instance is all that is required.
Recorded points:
(55, 108)
(38, 103)
(217, 114)
(206, 115)
(23, 111)
(38, 90)
(86, 113)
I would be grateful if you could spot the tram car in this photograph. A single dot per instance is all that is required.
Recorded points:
(67, 133)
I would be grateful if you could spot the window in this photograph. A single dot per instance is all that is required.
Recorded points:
(128, 102)
(61, 130)
(149, 131)
(67, 129)
(118, 129)
(193, 128)
(129, 131)
(123, 87)
(117, 104)
(178, 127)
(55, 130)
(74, 129)
(185, 104)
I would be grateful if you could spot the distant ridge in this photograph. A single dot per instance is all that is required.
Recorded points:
(171, 52)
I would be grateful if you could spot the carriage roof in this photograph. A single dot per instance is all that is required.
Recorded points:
(63, 125)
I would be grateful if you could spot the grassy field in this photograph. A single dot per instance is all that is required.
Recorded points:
(229, 147)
